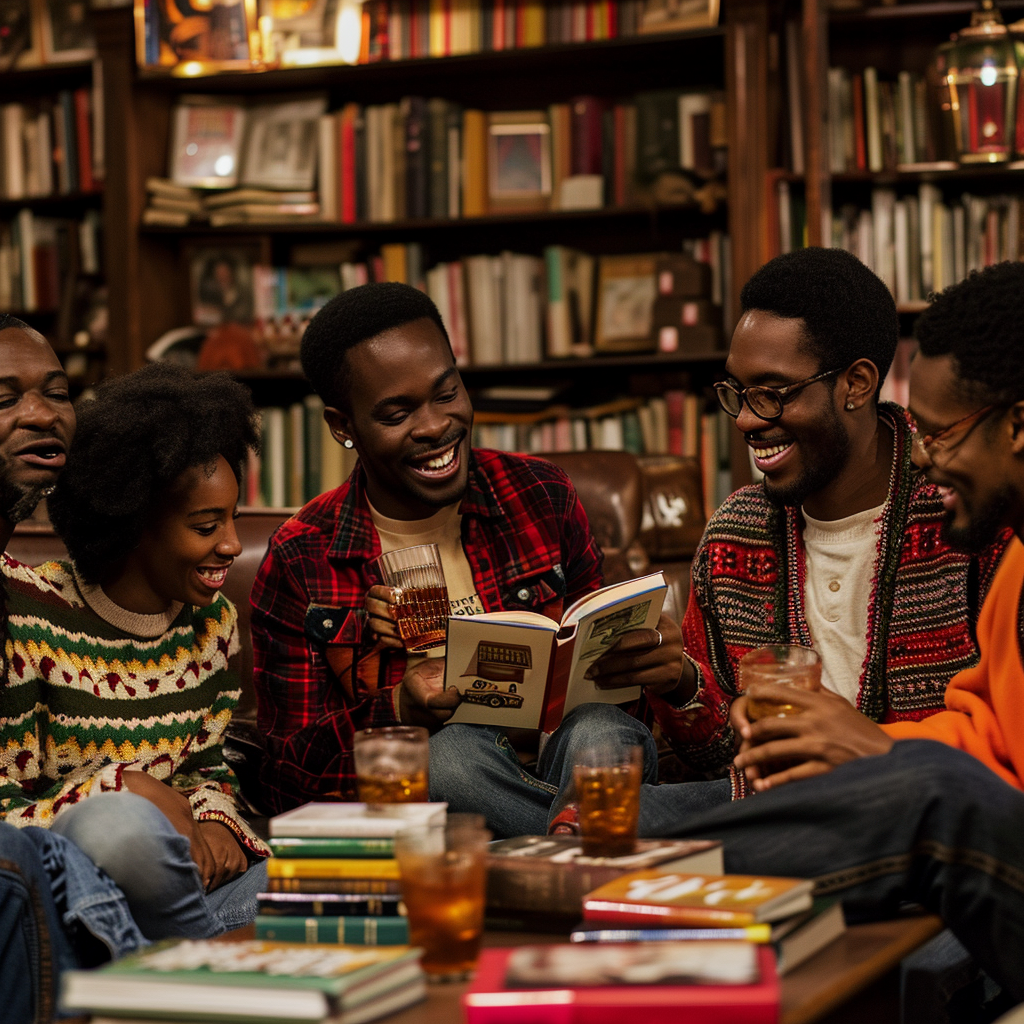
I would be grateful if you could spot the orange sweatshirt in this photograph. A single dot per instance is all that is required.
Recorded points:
(984, 713)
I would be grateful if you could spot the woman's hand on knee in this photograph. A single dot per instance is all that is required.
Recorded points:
(227, 858)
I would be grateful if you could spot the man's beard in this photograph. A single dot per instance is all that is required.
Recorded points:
(982, 526)
(829, 456)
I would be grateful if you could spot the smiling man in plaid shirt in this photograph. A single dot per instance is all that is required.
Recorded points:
(512, 533)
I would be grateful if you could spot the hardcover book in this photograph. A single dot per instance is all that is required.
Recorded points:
(662, 983)
(334, 867)
(321, 820)
(658, 898)
(367, 930)
(519, 669)
(329, 904)
(550, 875)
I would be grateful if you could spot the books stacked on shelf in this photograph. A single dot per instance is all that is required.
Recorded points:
(922, 242)
(404, 29)
(256, 981)
(49, 146)
(660, 982)
(877, 125)
(177, 205)
(333, 876)
(660, 904)
(422, 158)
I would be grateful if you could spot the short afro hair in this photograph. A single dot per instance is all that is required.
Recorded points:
(980, 323)
(848, 313)
(133, 441)
(351, 317)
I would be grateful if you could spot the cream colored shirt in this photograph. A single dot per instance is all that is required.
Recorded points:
(841, 557)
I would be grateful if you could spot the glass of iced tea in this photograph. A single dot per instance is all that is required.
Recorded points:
(607, 780)
(391, 764)
(778, 663)
(444, 882)
(421, 595)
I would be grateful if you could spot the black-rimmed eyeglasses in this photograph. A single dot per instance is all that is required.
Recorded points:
(764, 402)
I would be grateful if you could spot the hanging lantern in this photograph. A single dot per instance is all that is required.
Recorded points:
(981, 78)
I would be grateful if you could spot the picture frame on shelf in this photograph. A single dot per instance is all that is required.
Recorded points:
(221, 282)
(20, 44)
(211, 37)
(66, 31)
(677, 15)
(626, 289)
(519, 161)
(207, 134)
(282, 143)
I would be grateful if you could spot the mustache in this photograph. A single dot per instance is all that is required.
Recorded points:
(430, 449)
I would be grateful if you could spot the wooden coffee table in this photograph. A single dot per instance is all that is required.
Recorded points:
(855, 979)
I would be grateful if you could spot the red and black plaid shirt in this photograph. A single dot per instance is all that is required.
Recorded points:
(319, 674)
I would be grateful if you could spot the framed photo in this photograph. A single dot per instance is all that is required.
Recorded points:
(66, 31)
(678, 15)
(519, 160)
(206, 143)
(20, 44)
(281, 144)
(171, 32)
(221, 283)
(626, 289)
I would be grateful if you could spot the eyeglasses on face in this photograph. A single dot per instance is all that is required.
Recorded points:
(764, 402)
(948, 438)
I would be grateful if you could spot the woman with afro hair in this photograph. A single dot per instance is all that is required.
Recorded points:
(122, 671)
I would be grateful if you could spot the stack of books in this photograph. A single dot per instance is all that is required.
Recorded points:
(254, 981)
(333, 876)
(177, 205)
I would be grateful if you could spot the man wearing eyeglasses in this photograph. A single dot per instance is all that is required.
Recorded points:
(884, 815)
(841, 545)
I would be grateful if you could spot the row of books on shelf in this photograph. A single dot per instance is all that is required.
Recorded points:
(402, 29)
(301, 459)
(51, 146)
(41, 258)
(429, 158)
(920, 244)
(877, 125)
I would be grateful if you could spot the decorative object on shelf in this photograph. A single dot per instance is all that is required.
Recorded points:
(312, 32)
(981, 78)
(626, 290)
(281, 144)
(19, 35)
(206, 142)
(66, 31)
(678, 15)
(519, 161)
(197, 37)
(222, 284)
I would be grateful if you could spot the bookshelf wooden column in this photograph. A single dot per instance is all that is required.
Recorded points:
(816, 157)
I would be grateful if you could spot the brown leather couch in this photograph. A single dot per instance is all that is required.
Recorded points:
(646, 513)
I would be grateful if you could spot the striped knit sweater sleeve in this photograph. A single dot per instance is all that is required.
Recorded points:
(87, 700)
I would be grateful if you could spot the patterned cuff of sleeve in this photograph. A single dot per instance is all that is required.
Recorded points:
(740, 787)
(207, 806)
(694, 703)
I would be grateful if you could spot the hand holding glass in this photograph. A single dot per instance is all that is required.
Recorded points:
(778, 663)
(421, 599)
(391, 764)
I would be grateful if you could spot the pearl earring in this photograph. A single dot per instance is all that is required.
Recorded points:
(348, 442)
(849, 406)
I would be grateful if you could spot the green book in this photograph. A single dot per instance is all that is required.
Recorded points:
(332, 846)
(255, 982)
(363, 931)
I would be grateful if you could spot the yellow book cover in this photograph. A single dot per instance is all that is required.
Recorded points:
(396, 262)
(333, 867)
(474, 147)
(440, 28)
(533, 23)
(660, 899)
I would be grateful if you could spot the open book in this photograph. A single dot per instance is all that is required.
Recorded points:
(522, 670)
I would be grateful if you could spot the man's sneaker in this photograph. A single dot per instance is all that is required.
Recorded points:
(566, 822)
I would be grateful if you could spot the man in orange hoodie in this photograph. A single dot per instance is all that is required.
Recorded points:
(883, 815)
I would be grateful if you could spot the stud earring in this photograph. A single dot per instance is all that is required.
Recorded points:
(849, 406)
(348, 442)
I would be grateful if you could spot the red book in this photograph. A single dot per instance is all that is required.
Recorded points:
(613, 20)
(83, 140)
(591, 4)
(348, 205)
(414, 29)
(520, 23)
(587, 135)
(860, 139)
(496, 997)
(498, 31)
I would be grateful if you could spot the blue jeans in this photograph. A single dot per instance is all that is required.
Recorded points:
(134, 843)
(922, 824)
(57, 912)
(475, 769)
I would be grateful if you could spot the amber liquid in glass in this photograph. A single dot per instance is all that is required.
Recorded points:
(805, 679)
(609, 797)
(444, 895)
(421, 615)
(406, 788)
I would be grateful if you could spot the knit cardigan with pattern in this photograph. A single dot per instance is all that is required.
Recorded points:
(93, 691)
(748, 591)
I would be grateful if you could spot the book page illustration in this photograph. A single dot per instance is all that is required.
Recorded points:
(605, 631)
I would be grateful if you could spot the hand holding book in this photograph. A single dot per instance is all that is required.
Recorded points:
(652, 658)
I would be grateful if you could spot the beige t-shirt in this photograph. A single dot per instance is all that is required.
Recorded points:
(444, 529)
(841, 557)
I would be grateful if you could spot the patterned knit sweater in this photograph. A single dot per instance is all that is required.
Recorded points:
(748, 591)
(94, 690)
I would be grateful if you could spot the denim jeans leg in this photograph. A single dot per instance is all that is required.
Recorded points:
(149, 860)
(475, 769)
(924, 824)
(235, 904)
(33, 947)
